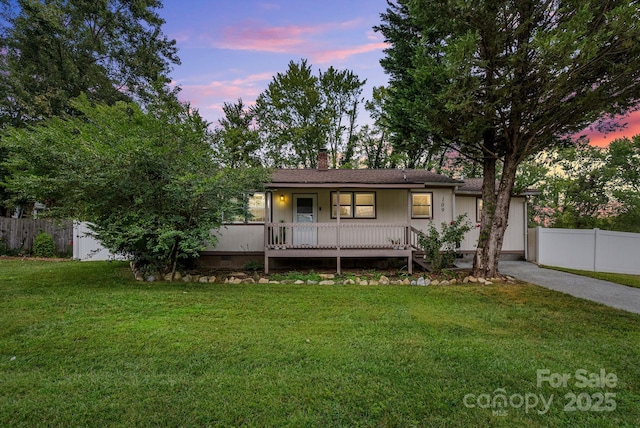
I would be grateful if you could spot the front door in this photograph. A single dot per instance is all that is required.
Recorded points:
(305, 209)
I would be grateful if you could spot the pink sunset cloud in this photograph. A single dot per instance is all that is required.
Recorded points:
(212, 95)
(342, 54)
(255, 37)
(597, 138)
(227, 90)
(293, 39)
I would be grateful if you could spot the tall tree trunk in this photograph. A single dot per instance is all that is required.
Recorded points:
(495, 217)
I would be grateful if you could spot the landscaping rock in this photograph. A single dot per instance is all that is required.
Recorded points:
(374, 282)
(263, 281)
(274, 282)
(177, 276)
(138, 276)
(384, 280)
(363, 282)
(414, 282)
(310, 282)
(473, 279)
(195, 278)
(465, 280)
(150, 278)
(406, 281)
(349, 282)
(327, 276)
(299, 282)
(420, 281)
(427, 282)
(248, 281)
(212, 279)
(435, 282)
(168, 277)
(481, 280)
(453, 281)
(186, 278)
(238, 275)
(445, 282)
(203, 279)
(327, 282)
(488, 283)
(235, 281)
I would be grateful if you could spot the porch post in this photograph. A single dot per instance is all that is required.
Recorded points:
(267, 218)
(338, 267)
(409, 243)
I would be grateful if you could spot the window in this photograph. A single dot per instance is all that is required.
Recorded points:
(365, 205)
(252, 211)
(421, 205)
(256, 208)
(478, 209)
(346, 199)
(354, 205)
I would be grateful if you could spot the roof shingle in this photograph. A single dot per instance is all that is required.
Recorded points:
(360, 176)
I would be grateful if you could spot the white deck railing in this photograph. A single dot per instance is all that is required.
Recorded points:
(334, 235)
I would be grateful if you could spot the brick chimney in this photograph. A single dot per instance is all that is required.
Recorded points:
(323, 160)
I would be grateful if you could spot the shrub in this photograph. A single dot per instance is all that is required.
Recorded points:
(4, 250)
(440, 246)
(43, 245)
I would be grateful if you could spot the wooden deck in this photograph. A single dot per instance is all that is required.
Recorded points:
(339, 240)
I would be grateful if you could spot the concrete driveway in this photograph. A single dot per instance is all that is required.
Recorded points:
(605, 292)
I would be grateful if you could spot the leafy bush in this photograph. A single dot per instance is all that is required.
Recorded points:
(43, 245)
(440, 246)
(4, 250)
(146, 179)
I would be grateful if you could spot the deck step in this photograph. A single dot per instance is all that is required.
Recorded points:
(419, 260)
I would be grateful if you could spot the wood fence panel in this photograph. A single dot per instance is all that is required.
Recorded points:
(19, 233)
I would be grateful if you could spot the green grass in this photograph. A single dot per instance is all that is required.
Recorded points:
(81, 344)
(619, 278)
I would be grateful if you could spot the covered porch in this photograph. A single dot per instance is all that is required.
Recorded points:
(339, 240)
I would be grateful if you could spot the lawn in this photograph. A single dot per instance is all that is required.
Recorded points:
(619, 278)
(81, 344)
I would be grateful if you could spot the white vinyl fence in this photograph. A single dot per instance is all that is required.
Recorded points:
(86, 247)
(594, 250)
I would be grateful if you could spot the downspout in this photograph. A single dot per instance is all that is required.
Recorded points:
(453, 203)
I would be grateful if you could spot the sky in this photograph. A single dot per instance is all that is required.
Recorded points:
(231, 49)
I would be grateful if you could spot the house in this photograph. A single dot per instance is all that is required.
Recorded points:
(341, 215)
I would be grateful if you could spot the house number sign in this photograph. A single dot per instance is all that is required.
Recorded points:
(442, 205)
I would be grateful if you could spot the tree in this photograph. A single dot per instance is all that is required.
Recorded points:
(147, 180)
(299, 113)
(341, 92)
(236, 139)
(55, 50)
(374, 146)
(291, 118)
(501, 80)
(408, 133)
(586, 187)
(574, 189)
(624, 161)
